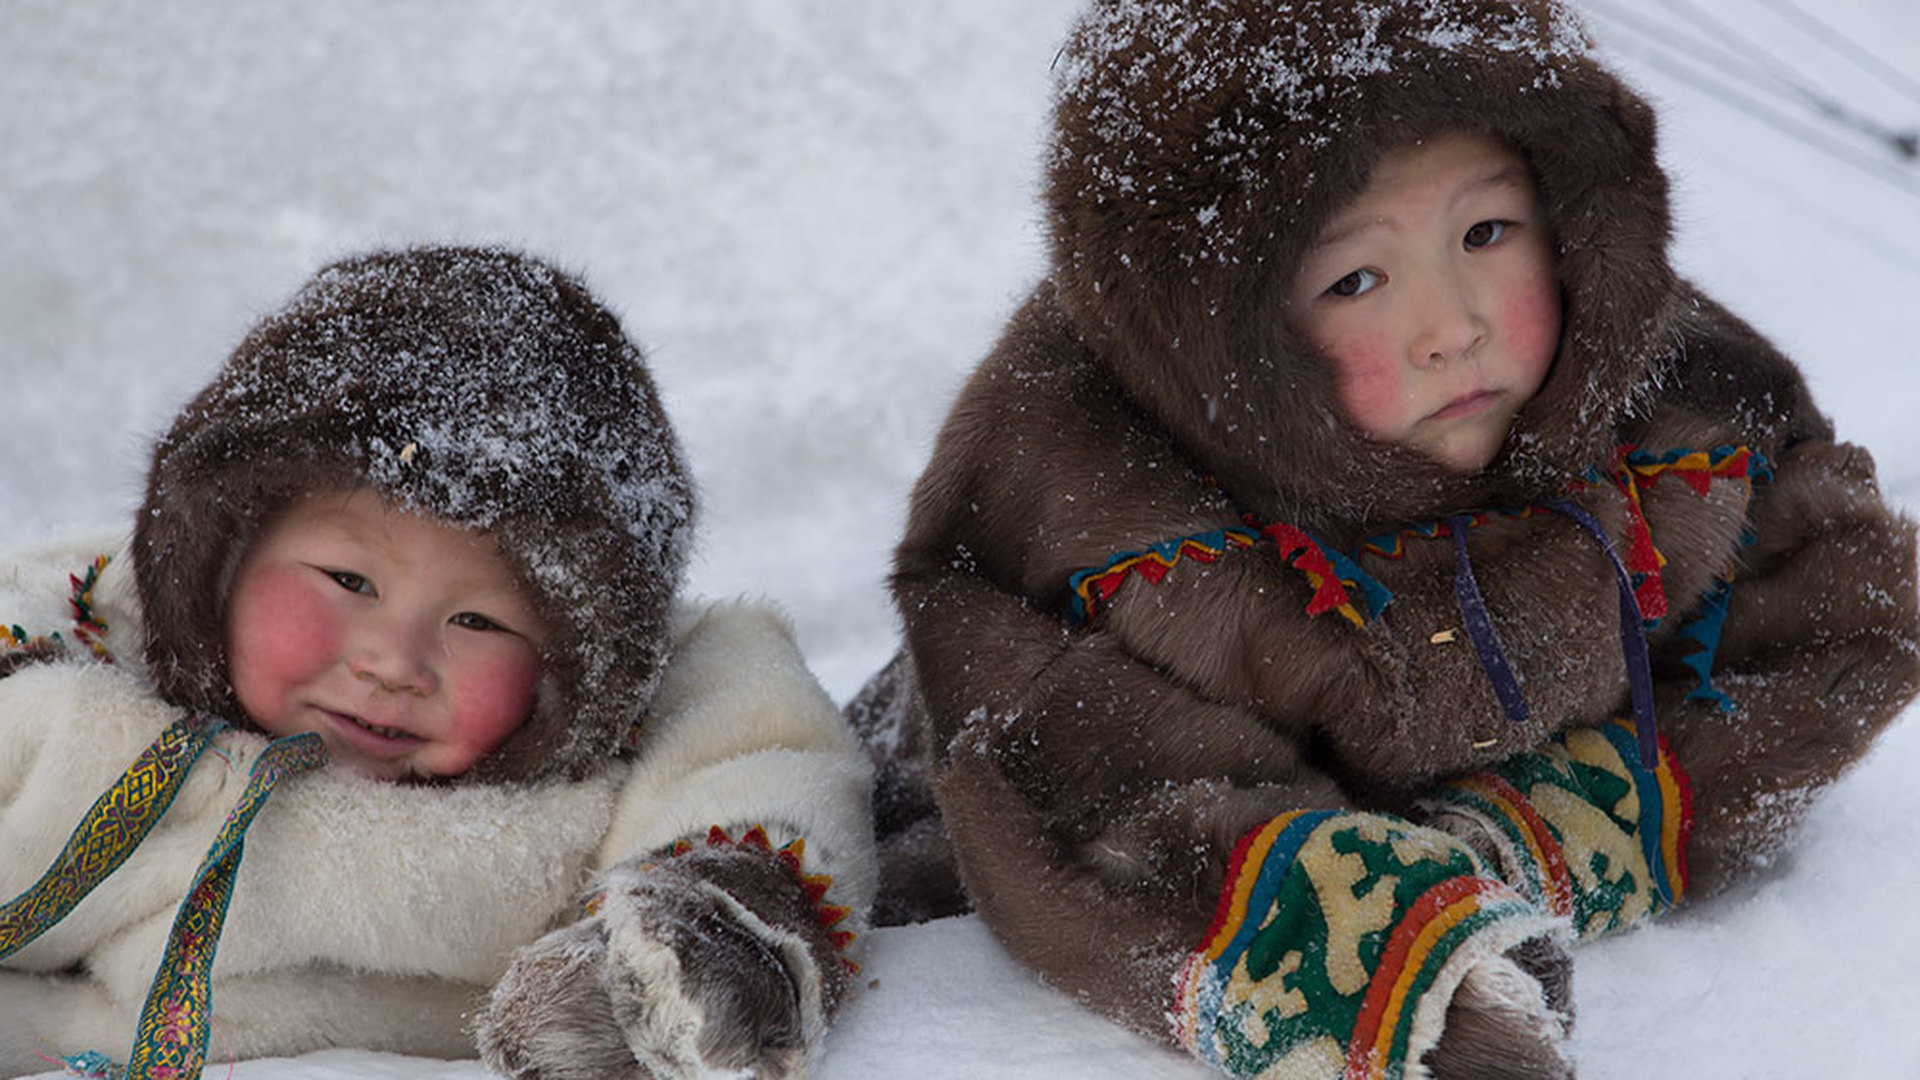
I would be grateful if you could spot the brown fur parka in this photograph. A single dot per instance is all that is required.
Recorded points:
(1095, 778)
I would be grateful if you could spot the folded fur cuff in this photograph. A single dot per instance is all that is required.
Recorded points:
(1338, 942)
(1581, 827)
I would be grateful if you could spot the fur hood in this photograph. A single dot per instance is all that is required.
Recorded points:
(477, 385)
(1200, 147)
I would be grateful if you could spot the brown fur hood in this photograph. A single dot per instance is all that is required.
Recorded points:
(478, 385)
(1199, 148)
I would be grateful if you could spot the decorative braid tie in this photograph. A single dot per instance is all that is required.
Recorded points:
(792, 857)
(171, 1039)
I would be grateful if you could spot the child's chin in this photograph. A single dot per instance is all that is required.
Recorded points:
(387, 770)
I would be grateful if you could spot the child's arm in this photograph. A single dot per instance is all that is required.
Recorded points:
(739, 868)
(1817, 655)
(1409, 695)
(1112, 825)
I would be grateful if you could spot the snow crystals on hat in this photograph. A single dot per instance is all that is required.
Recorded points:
(474, 384)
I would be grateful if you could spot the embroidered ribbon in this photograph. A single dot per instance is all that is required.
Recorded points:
(170, 1041)
(109, 831)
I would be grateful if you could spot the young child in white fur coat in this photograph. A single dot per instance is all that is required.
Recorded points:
(425, 526)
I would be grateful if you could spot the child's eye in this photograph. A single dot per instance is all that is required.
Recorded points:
(473, 620)
(351, 581)
(1485, 233)
(1360, 281)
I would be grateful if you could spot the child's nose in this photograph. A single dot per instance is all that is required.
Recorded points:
(1447, 324)
(396, 658)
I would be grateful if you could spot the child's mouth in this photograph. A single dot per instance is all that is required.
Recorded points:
(1466, 405)
(369, 736)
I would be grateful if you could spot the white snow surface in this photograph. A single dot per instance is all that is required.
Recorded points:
(815, 215)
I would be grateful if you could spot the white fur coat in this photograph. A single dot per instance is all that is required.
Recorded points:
(372, 914)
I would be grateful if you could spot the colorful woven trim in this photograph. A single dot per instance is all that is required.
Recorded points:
(88, 627)
(1583, 828)
(171, 1039)
(1334, 577)
(792, 857)
(108, 832)
(1331, 930)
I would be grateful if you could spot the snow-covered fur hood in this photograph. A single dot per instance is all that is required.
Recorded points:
(478, 385)
(1199, 147)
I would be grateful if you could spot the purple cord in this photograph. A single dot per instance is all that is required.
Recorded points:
(1479, 624)
(1633, 636)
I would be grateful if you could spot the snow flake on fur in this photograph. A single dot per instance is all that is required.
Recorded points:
(1337, 942)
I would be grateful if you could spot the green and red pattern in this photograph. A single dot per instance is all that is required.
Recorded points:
(1337, 942)
(1583, 828)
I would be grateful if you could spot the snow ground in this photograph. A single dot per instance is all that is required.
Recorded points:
(816, 214)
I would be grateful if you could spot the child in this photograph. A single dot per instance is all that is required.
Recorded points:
(1363, 565)
(427, 525)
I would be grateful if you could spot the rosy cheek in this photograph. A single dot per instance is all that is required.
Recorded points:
(282, 630)
(495, 699)
(1533, 327)
(1370, 387)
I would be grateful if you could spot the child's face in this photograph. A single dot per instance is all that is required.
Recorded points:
(1433, 294)
(405, 642)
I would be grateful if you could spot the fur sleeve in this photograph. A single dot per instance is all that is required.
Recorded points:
(739, 735)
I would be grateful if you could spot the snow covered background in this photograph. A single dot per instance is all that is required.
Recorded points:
(815, 214)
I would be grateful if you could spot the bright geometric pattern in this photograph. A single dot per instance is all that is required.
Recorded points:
(1332, 927)
(1583, 827)
(171, 1040)
(108, 832)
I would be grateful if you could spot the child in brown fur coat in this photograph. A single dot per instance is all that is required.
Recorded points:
(1363, 566)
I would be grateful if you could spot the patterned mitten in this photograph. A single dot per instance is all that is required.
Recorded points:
(1340, 941)
(1579, 826)
(715, 960)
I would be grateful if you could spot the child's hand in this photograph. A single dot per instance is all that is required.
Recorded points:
(1495, 1030)
(708, 962)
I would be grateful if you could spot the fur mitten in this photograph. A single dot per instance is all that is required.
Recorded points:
(1351, 943)
(1578, 826)
(715, 961)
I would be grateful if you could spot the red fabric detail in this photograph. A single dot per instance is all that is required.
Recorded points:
(1685, 785)
(1380, 988)
(1298, 550)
